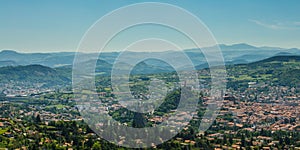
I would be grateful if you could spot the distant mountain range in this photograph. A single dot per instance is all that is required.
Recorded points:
(233, 54)
(56, 68)
(284, 70)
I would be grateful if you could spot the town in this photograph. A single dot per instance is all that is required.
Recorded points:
(260, 111)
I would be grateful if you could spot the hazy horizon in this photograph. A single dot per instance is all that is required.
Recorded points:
(163, 50)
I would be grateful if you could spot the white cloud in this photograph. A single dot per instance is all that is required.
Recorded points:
(270, 26)
(297, 23)
(278, 25)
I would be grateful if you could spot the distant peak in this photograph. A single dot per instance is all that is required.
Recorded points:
(270, 48)
(9, 51)
(221, 45)
(239, 46)
(243, 46)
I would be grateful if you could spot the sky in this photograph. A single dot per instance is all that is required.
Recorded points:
(52, 26)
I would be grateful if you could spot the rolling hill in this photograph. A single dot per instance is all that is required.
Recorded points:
(33, 74)
(277, 70)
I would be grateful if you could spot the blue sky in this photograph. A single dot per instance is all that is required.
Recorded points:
(43, 26)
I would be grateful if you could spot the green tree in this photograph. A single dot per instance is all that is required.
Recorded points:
(96, 146)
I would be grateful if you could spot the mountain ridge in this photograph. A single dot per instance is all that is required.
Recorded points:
(233, 54)
(62, 75)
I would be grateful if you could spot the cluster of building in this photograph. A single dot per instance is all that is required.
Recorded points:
(21, 89)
